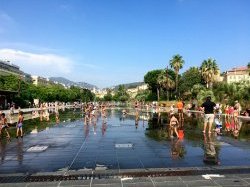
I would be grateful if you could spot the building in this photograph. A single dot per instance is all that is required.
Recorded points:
(237, 75)
(41, 81)
(7, 68)
(134, 91)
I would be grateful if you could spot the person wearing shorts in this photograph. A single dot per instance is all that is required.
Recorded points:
(180, 106)
(208, 107)
(4, 125)
(20, 124)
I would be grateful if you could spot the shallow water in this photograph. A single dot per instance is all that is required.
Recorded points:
(121, 142)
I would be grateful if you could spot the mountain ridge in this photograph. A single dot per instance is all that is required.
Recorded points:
(69, 83)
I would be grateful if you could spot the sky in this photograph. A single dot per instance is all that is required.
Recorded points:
(111, 42)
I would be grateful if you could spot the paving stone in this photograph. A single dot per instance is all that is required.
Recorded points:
(231, 182)
(200, 183)
(13, 185)
(75, 182)
(141, 184)
(42, 184)
(170, 184)
(166, 179)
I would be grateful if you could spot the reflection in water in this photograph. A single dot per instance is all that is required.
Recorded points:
(136, 119)
(177, 149)
(210, 151)
(104, 127)
(20, 151)
(2, 150)
(86, 130)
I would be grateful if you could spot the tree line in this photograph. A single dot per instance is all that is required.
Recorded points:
(27, 92)
(197, 82)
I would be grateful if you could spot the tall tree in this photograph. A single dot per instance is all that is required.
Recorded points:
(209, 69)
(165, 81)
(151, 79)
(189, 78)
(176, 63)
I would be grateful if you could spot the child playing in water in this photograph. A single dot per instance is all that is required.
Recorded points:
(173, 124)
(4, 125)
(20, 124)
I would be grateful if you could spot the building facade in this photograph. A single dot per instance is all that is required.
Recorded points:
(41, 81)
(7, 68)
(237, 75)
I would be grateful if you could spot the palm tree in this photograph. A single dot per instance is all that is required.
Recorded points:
(165, 81)
(176, 63)
(209, 69)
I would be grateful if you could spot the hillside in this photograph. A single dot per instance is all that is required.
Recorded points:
(69, 83)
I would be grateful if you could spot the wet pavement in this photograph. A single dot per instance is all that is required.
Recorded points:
(118, 152)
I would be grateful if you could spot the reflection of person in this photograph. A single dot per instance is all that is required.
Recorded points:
(104, 127)
(208, 107)
(210, 154)
(136, 119)
(177, 150)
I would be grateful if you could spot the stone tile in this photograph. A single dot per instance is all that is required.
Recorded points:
(106, 181)
(199, 183)
(230, 182)
(42, 184)
(75, 183)
(13, 185)
(141, 184)
(191, 178)
(170, 184)
(106, 185)
(166, 179)
(137, 180)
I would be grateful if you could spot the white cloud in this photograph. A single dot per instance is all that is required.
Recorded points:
(38, 64)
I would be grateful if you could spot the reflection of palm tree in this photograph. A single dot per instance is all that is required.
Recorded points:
(209, 69)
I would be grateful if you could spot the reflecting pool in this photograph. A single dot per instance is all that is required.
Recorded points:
(118, 140)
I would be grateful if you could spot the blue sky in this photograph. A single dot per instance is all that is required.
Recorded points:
(110, 42)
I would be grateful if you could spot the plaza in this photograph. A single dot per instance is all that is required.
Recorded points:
(116, 152)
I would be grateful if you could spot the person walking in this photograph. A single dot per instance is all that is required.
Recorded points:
(208, 108)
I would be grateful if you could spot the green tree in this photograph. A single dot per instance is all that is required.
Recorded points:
(121, 94)
(209, 69)
(108, 96)
(176, 63)
(188, 79)
(165, 81)
(151, 79)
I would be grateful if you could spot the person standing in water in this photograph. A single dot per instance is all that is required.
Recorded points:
(208, 107)
(20, 124)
